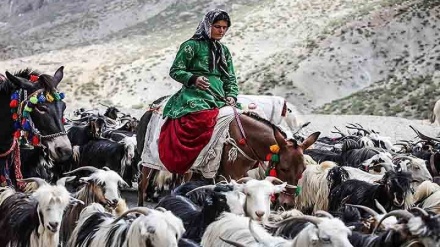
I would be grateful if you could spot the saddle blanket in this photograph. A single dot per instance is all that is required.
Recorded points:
(208, 160)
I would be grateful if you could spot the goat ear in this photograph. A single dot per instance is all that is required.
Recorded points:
(280, 188)
(310, 140)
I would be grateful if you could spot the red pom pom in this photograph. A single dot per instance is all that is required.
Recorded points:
(273, 173)
(17, 134)
(242, 141)
(14, 103)
(33, 78)
(14, 116)
(272, 198)
(63, 120)
(35, 140)
(269, 157)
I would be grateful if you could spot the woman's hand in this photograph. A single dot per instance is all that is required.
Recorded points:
(202, 83)
(230, 101)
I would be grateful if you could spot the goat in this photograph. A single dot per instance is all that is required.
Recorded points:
(416, 166)
(100, 186)
(427, 196)
(393, 190)
(320, 155)
(152, 228)
(195, 218)
(435, 117)
(33, 220)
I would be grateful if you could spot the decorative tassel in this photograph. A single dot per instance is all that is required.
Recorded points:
(242, 141)
(62, 96)
(275, 158)
(297, 190)
(27, 126)
(13, 110)
(25, 114)
(273, 198)
(35, 140)
(56, 96)
(14, 96)
(27, 109)
(63, 120)
(33, 78)
(17, 125)
(41, 98)
(49, 97)
(273, 172)
(33, 100)
(274, 148)
(17, 134)
(300, 176)
(14, 116)
(13, 104)
(269, 157)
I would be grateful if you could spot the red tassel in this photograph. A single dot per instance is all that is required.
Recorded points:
(242, 141)
(268, 156)
(63, 120)
(17, 134)
(273, 173)
(13, 103)
(33, 78)
(35, 140)
(273, 198)
(14, 116)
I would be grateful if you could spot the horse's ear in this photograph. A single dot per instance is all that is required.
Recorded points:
(310, 140)
(58, 76)
(20, 82)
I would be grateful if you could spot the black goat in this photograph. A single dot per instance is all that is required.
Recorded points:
(354, 155)
(320, 155)
(391, 191)
(195, 218)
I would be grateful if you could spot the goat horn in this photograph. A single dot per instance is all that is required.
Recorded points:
(312, 219)
(245, 179)
(420, 210)
(207, 187)
(402, 213)
(367, 209)
(323, 213)
(161, 209)
(105, 168)
(251, 229)
(140, 210)
(424, 137)
(83, 168)
(379, 206)
(233, 243)
(39, 181)
(62, 181)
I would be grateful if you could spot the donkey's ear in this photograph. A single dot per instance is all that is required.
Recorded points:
(310, 140)
(58, 76)
(20, 82)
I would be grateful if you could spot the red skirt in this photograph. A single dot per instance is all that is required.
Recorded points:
(182, 139)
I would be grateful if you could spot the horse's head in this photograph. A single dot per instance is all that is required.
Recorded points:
(292, 165)
(46, 115)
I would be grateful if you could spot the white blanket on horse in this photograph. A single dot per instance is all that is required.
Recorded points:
(207, 162)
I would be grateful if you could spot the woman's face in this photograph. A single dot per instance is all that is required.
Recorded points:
(218, 29)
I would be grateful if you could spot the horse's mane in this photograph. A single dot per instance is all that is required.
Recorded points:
(265, 121)
(46, 81)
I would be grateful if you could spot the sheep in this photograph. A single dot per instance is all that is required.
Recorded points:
(427, 196)
(152, 228)
(33, 220)
(100, 186)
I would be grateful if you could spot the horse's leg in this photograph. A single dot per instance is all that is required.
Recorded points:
(142, 186)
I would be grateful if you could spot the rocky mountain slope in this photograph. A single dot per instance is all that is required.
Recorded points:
(310, 51)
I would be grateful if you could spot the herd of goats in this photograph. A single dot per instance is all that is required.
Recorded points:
(358, 189)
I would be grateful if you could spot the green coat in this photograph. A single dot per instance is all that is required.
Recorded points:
(192, 61)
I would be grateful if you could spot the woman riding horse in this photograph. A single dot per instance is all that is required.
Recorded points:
(204, 66)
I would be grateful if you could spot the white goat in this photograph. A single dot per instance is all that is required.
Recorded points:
(33, 220)
(152, 228)
(435, 117)
(258, 195)
(129, 147)
(417, 168)
(234, 230)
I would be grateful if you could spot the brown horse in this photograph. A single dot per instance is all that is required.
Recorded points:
(260, 135)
